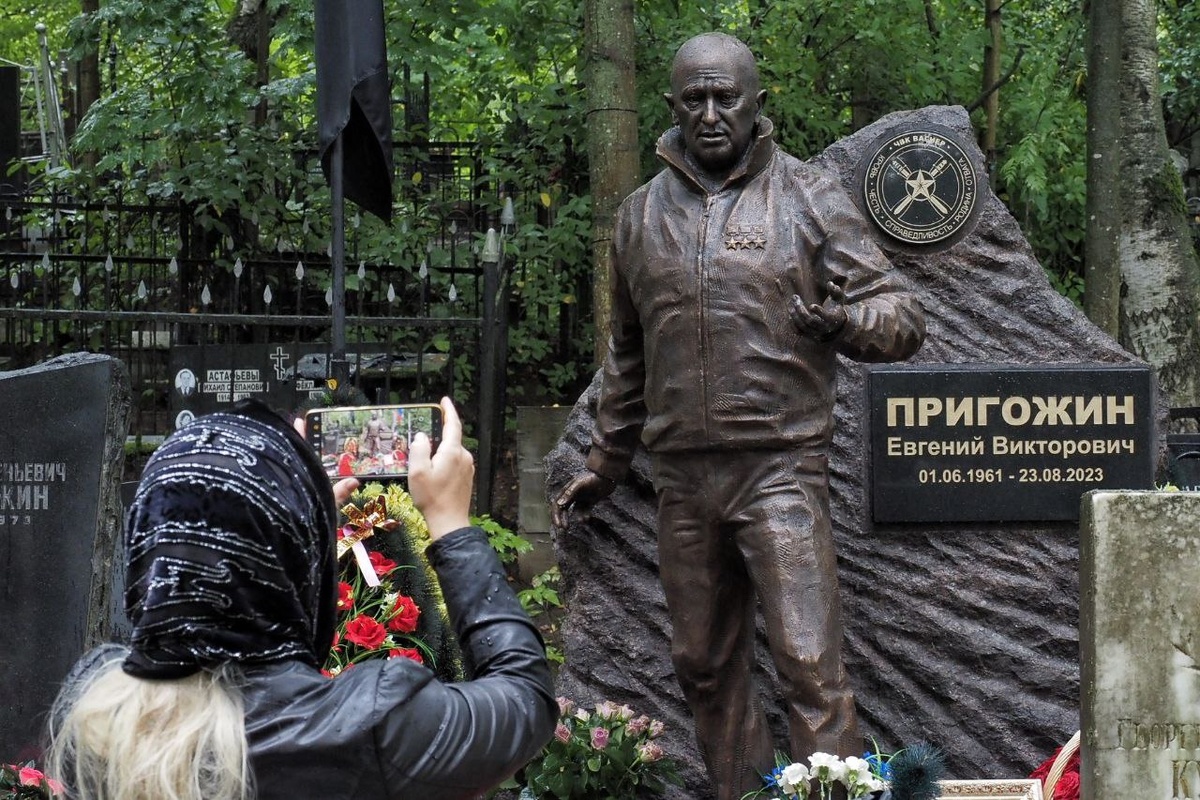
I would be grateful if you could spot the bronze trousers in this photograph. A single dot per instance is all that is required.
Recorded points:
(734, 528)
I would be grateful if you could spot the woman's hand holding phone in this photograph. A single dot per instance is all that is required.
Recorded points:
(441, 483)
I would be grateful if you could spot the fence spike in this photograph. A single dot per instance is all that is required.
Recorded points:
(362, 271)
(453, 293)
(141, 292)
(46, 263)
(77, 287)
(329, 297)
(173, 267)
(267, 295)
(237, 268)
(108, 263)
(15, 279)
(423, 272)
(391, 295)
(299, 270)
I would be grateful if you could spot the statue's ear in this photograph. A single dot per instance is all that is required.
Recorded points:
(670, 98)
(760, 100)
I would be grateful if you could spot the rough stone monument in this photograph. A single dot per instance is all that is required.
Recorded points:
(1140, 645)
(960, 634)
(61, 453)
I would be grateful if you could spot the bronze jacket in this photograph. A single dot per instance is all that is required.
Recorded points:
(703, 354)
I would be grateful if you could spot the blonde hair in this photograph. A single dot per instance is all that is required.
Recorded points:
(117, 737)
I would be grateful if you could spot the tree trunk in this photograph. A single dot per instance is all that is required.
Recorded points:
(1102, 272)
(1137, 217)
(89, 65)
(991, 85)
(612, 142)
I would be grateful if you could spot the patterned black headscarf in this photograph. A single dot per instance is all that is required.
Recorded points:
(229, 547)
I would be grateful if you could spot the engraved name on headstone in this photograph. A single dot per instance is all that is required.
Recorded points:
(61, 452)
(994, 442)
(1140, 645)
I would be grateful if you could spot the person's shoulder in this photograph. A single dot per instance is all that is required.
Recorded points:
(358, 694)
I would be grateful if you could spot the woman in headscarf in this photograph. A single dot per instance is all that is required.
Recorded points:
(231, 580)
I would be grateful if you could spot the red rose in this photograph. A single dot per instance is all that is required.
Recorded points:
(404, 615)
(345, 599)
(1067, 787)
(382, 564)
(406, 652)
(365, 632)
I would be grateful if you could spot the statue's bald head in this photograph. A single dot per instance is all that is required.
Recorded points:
(716, 100)
(718, 49)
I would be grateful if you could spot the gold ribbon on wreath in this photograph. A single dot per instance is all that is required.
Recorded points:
(362, 524)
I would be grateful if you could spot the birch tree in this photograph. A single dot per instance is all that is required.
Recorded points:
(1141, 269)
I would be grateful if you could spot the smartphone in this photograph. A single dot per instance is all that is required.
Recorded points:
(370, 442)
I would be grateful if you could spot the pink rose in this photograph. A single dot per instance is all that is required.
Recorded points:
(636, 727)
(565, 706)
(649, 752)
(599, 738)
(30, 776)
(656, 728)
(562, 733)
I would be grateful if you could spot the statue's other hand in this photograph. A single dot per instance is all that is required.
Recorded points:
(584, 491)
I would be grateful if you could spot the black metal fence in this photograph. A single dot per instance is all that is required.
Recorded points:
(200, 324)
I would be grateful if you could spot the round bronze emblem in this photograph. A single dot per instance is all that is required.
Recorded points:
(920, 186)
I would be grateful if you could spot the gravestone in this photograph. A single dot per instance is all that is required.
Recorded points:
(538, 429)
(61, 453)
(1140, 645)
(962, 634)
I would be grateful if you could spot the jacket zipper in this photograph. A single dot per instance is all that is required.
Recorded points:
(702, 283)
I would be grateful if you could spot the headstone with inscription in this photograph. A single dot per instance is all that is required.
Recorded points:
(1139, 626)
(207, 378)
(61, 452)
(959, 593)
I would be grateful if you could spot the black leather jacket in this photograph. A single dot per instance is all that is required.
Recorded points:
(388, 728)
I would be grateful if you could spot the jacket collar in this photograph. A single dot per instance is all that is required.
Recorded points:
(671, 151)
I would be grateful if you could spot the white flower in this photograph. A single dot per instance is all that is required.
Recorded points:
(794, 780)
(857, 767)
(827, 768)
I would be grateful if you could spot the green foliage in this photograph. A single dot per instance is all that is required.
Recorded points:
(507, 543)
(176, 122)
(541, 602)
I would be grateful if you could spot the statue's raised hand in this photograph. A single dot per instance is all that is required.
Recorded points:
(820, 321)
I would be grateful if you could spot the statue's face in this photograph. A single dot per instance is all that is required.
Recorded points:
(716, 101)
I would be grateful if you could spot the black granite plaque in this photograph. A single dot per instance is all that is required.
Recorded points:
(61, 451)
(282, 375)
(1000, 443)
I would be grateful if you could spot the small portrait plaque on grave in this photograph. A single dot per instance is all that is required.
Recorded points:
(1005, 443)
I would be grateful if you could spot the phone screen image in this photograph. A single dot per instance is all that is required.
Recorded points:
(370, 441)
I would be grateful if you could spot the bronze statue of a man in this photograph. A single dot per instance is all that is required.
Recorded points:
(740, 274)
